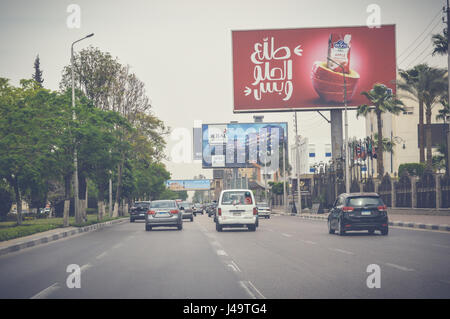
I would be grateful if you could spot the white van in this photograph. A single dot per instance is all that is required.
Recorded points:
(236, 208)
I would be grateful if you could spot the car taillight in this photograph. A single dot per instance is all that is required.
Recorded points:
(347, 209)
(151, 212)
(382, 208)
(175, 211)
(255, 211)
(219, 211)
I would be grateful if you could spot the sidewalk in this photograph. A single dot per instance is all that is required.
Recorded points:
(430, 222)
(17, 244)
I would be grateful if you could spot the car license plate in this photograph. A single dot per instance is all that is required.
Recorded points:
(366, 212)
(141, 215)
(162, 214)
(236, 214)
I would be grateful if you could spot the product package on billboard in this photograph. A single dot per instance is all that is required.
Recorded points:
(339, 52)
(328, 76)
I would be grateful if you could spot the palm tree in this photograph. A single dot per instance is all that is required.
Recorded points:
(436, 86)
(382, 101)
(445, 111)
(412, 83)
(440, 43)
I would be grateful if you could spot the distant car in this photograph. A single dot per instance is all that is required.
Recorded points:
(139, 210)
(358, 211)
(197, 209)
(263, 210)
(163, 213)
(236, 208)
(186, 210)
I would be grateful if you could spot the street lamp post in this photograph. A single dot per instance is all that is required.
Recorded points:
(347, 180)
(75, 155)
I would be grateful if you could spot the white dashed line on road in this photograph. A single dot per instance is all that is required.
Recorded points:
(85, 267)
(251, 290)
(286, 235)
(399, 267)
(117, 245)
(221, 253)
(309, 242)
(101, 255)
(46, 292)
(342, 251)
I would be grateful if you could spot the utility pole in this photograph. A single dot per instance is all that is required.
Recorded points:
(75, 154)
(447, 164)
(297, 161)
(284, 174)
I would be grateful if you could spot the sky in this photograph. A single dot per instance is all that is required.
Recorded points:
(182, 50)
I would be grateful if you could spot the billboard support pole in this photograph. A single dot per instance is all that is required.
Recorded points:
(297, 161)
(347, 172)
(284, 176)
(447, 171)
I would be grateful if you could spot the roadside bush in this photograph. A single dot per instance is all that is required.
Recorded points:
(413, 169)
(6, 200)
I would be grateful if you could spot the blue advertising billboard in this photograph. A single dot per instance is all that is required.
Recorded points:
(188, 184)
(235, 145)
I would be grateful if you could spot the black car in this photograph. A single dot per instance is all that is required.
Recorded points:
(139, 211)
(358, 211)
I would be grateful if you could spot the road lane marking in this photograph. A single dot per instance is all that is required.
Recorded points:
(232, 267)
(257, 291)
(342, 251)
(215, 243)
(271, 230)
(117, 245)
(101, 255)
(252, 291)
(46, 292)
(286, 235)
(309, 242)
(244, 285)
(399, 267)
(236, 266)
(85, 267)
(221, 253)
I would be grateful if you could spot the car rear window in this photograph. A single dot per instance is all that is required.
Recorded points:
(364, 201)
(237, 198)
(141, 204)
(168, 204)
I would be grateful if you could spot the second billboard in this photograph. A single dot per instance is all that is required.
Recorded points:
(235, 145)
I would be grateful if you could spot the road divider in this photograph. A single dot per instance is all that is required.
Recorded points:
(53, 237)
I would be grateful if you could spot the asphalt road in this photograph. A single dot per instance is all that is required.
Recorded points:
(287, 257)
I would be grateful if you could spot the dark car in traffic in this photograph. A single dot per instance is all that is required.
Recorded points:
(139, 210)
(358, 211)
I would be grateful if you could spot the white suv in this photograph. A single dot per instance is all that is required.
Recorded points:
(236, 208)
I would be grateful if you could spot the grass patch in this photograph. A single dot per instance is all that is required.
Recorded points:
(10, 230)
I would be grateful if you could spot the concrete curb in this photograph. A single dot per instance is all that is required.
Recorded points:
(393, 223)
(54, 237)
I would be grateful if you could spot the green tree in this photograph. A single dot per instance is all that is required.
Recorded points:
(28, 143)
(37, 75)
(383, 101)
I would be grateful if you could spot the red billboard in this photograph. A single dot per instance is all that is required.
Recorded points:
(304, 69)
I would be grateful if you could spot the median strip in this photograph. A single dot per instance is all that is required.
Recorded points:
(32, 242)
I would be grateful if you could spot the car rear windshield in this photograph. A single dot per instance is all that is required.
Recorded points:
(184, 204)
(364, 201)
(237, 198)
(141, 204)
(165, 204)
